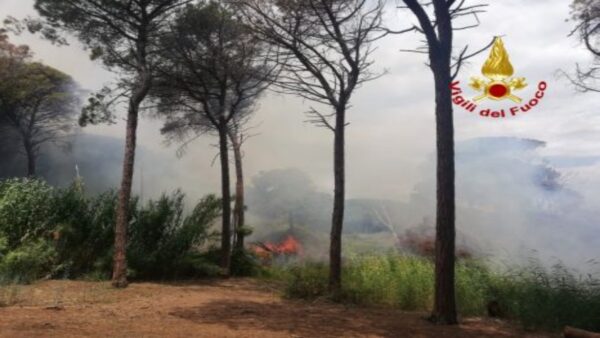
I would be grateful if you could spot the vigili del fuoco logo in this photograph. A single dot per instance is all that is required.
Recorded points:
(498, 85)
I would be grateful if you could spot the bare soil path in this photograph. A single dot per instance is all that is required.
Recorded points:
(226, 308)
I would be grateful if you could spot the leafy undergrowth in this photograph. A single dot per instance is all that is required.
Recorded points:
(536, 297)
(47, 232)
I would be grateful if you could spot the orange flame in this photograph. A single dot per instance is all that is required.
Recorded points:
(289, 246)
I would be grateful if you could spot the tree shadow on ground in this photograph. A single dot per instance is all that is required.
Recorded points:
(302, 319)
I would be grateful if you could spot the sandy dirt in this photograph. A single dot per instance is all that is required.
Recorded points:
(225, 308)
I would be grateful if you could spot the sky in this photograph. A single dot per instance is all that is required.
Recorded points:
(392, 120)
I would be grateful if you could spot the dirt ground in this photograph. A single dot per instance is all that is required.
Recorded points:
(226, 308)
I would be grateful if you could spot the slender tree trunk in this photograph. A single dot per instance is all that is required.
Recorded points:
(444, 311)
(31, 159)
(337, 222)
(226, 196)
(119, 277)
(238, 208)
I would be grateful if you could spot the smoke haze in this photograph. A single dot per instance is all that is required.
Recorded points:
(525, 183)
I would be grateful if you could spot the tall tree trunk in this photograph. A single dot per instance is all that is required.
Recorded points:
(31, 159)
(119, 277)
(444, 311)
(238, 208)
(226, 196)
(337, 222)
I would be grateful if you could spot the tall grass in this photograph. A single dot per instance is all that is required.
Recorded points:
(536, 297)
(406, 283)
(549, 298)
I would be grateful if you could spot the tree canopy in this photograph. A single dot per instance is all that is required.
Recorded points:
(212, 71)
(38, 104)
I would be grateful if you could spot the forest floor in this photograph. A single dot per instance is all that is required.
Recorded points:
(222, 308)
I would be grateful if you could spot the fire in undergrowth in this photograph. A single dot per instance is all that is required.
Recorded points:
(289, 247)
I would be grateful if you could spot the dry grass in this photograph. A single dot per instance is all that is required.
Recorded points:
(57, 293)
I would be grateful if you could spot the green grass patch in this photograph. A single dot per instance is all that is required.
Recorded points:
(538, 298)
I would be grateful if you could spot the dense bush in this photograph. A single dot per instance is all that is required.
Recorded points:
(67, 234)
(532, 295)
(29, 262)
(83, 231)
(245, 263)
(161, 238)
(25, 210)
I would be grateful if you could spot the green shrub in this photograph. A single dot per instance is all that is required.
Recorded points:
(84, 231)
(30, 261)
(160, 237)
(200, 264)
(153, 227)
(79, 228)
(3, 245)
(473, 293)
(244, 263)
(25, 211)
(162, 243)
(307, 281)
(195, 229)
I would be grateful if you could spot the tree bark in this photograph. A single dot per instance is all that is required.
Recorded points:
(119, 277)
(444, 310)
(335, 249)
(226, 197)
(238, 208)
(31, 159)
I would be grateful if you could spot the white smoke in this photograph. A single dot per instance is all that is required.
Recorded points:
(515, 205)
